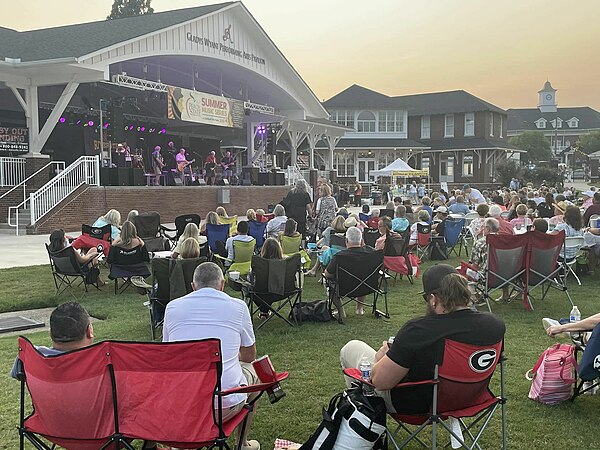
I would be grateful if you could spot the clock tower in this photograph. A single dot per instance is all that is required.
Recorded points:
(547, 99)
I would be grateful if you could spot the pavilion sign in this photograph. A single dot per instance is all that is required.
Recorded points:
(200, 107)
(224, 48)
(14, 139)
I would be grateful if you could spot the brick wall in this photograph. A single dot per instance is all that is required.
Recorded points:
(88, 203)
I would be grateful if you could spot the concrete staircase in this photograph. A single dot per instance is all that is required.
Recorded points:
(24, 221)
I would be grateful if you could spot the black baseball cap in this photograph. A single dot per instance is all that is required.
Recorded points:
(433, 276)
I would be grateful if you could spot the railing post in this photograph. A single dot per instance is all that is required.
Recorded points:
(97, 162)
(2, 181)
(31, 210)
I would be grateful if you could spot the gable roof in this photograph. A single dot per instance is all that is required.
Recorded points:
(358, 97)
(81, 39)
(525, 118)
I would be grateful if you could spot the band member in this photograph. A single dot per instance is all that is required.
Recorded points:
(157, 165)
(171, 147)
(128, 156)
(182, 163)
(209, 167)
(228, 163)
(119, 159)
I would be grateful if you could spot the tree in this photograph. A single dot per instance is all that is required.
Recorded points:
(589, 143)
(535, 143)
(130, 8)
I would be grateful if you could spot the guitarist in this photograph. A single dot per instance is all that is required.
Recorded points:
(227, 162)
(182, 163)
(209, 168)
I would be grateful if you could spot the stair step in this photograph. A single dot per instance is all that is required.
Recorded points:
(5, 226)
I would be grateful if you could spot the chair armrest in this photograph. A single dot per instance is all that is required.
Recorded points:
(255, 387)
(355, 374)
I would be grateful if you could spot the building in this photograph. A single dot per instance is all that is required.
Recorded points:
(561, 126)
(459, 137)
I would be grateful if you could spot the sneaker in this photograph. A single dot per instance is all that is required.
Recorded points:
(251, 445)
(547, 323)
(140, 282)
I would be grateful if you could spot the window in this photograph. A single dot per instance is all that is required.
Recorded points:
(557, 123)
(365, 122)
(491, 124)
(391, 121)
(425, 127)
(467, 166)
(344, 163)
(540, 123)
(573, 122)
(425, 163)
(469, 124)
(501, 126)
(449, 125)
(345, 118)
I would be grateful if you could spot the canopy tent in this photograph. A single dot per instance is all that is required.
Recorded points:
(399, 168)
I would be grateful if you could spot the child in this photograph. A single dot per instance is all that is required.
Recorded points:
(400, 223)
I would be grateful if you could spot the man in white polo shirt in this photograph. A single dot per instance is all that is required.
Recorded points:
(474, 195)
(208, 312)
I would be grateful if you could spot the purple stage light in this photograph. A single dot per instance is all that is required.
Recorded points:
(62, 120)
(91, 123)
(106, 125)
(163, 131)
(130, 127)
(143, 129)
(78, 122)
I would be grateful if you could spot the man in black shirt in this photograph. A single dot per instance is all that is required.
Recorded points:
(420, 342)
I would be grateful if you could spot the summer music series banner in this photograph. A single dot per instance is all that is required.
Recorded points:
(194, 106)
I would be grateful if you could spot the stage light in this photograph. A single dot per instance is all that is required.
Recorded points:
(130, 127)
(106, 125)
(138, 129)
(78, 122)
(163, 131)
(62, 120)
(91, 123)
(126, 128)
(151, 130)
(143, 129)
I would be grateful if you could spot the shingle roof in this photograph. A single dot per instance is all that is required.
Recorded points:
(82, 39)
(375, 143)
(466, 143)
(525, 118)
(416, 104)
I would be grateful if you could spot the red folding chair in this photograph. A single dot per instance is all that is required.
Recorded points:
(106, 395)
(506, 264)
(543, 269)
(460, 390)
(423, 240)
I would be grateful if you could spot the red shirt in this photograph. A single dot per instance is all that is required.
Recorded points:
(505, 227)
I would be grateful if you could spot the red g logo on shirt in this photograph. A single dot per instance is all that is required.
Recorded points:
(481, 360)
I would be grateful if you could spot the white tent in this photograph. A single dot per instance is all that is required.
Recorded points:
(397, 168)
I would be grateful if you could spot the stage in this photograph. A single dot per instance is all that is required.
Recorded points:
(86, 204)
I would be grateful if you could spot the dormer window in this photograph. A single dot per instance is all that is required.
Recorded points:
(541, 123)
(557, 123)
(573, 122)
(366, 122)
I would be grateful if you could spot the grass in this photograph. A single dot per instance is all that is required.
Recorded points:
(311, 354)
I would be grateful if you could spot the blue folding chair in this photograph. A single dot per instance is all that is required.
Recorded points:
(364, 217)
(257, 231)
(588, 370)
(453, 232)
(214, 233)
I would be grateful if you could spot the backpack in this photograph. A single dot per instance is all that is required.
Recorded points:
(553, 375)
(351, 422)
(438, 249)
(317, 311)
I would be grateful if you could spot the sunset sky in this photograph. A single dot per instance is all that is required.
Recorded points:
(502, 51)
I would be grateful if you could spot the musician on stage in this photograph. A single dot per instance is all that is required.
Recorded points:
(157, 165)
(209, 167)
(182, 163)
(228, 163)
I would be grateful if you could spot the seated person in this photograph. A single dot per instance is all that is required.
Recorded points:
(373, 221)
(221, 212)
(545, 210)
(271, 249)
(251, 215)
(540, 225)
(385, 230)
(260, 215)
(400, 223)
(190, 231)
(476, 224)
(416, 347)
(112, 217)
(425, 206)
(366, 209)
(189, 249)
(290, 229)
(519, 221)
(242, 235)
(211, 218)
(423, 219)
(460, 207)
(58, 242)
(130, 250)
(559, 210)
(408, 205)
(86, 242)
(354, 244)
(277, 223)
(505, 226)
(439, 228)
(575, 329)
(132, 215)
(338, 228)
(572, 226)
(207, 312)
(397, 201)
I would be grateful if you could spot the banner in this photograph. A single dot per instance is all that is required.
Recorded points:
(14, 139)
(410, 173)
(199, 107)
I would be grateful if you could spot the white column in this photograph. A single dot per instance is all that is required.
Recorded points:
(33, 119)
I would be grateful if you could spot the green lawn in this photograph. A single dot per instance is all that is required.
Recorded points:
(310, 354)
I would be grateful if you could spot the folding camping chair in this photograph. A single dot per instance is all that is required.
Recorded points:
(171, 279)
(588, 368)
(180, 224)
(242, 255)
(125, 264)
(453, 232)
(150, 230)
(459, 390)
(231, 221)
(214, 233)
(469, 217)
(573, 243)
(66, 270)
(386, 212)
(110, 393)
(292, 245)
(423, 240)
(274, 281)
(257, 229)
(359, 275)
(370, 237)
(337, 240)
(364, 217)
(98, 237)
(506, 264)
(543, 269)
(397, 259)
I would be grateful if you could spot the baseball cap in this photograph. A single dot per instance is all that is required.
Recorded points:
(433, 276)
(442, 209)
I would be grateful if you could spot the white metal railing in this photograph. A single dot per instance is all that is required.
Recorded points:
(85, 170)
(12, 171)
(294, 174)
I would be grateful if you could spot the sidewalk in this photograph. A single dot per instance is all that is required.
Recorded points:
(22, 251)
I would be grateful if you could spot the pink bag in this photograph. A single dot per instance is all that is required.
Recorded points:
(553, 375)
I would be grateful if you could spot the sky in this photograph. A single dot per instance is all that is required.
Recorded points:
(501, 51)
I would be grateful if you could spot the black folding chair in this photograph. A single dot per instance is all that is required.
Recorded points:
(337, 240)
(588, 369)
(125, 264)
(66, 270)
(180, 224)
(171, 279)
(150, 230)
(275, 281)
(358, 275)
(370, 237)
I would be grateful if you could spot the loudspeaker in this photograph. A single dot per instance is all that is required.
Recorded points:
(120, 176)
(223, 182)
(266, 178)
(246, 182)
(137, 177)
(178, 181)
(201, 181)
(250, 173)
(279, 178)
(105, 176)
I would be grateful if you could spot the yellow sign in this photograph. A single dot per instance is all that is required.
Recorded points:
(411, 173)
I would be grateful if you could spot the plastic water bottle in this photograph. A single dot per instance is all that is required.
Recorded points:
(365, 375)
(575, 315)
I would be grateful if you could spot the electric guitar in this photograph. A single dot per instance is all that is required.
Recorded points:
(183, 164)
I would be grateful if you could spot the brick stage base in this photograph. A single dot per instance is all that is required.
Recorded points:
(88, 203)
